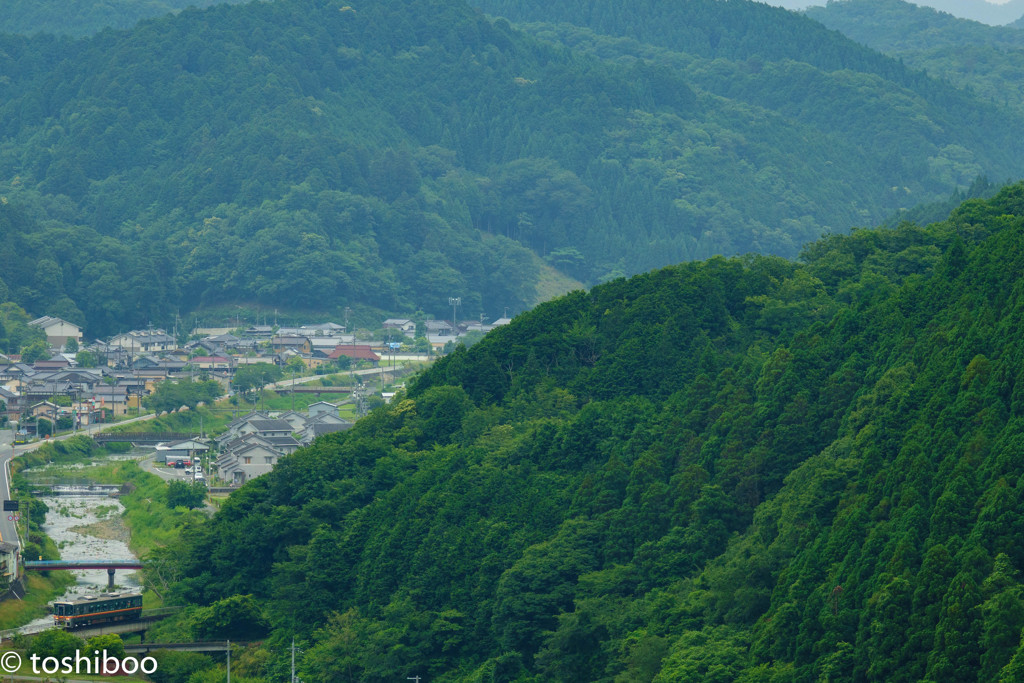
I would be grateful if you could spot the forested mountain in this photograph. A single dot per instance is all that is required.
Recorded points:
(987, 60)
(992, 13)
(984, 11)
(736, 470)
(85, 17)
(312, 154)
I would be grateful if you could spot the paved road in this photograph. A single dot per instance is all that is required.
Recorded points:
(150, 465)
(7, 531)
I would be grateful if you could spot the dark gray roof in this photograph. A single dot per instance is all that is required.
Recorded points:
(320, 429)
(271, 425)
(281, 440)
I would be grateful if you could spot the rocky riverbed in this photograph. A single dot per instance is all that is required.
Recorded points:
(89, 528)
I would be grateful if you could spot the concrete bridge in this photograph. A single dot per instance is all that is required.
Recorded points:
(109, 565)
(140, 625)
(77, 489)
(150, 438)
(207, 646)
(313, 390)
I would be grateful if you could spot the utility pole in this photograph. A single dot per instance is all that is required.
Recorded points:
(454, 302)
(292, 679)
(229, 661)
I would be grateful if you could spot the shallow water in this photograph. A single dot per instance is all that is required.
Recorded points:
(72, 511)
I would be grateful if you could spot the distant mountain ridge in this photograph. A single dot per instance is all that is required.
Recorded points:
(313, 155)
(978, 10)
(991, 13)
(897, 26)
(86, 17)
(988, 60)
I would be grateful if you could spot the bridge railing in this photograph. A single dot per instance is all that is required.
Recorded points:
(83, 564)
(153, 437)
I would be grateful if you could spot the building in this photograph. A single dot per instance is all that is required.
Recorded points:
(252, 445)
(212, 362)
(143, 341)
(355, 352)
(185, 450)
(439, 328)
(9, 561)
(403, 325)
(57, 331)
(294, 342)
(113, 398)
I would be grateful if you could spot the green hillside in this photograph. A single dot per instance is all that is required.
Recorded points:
(313, 154)
(987, 60)
(733, 470)
(86, 17)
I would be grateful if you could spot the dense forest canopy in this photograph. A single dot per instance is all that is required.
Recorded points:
(744, 469)
(987, 60)
(313, 154)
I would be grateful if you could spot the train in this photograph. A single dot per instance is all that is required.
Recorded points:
(92, 610)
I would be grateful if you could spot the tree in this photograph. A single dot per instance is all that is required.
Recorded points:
(179, 667)
(238, 617)
(85, 359)
(56, 642)
(295, 365)
(71, 346)
(250, 378)
(111, 643)
(184, 494)
(37, 350)
(471, 337)
(171, 395)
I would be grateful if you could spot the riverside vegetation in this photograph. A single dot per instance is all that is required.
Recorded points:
(742, 469)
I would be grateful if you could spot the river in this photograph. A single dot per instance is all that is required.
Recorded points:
(106, 539)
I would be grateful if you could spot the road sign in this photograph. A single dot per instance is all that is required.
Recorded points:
(10, 505)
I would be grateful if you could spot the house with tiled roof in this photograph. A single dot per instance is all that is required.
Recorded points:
(296, 343)
(355, 352)
(403, 325)
(57, 331)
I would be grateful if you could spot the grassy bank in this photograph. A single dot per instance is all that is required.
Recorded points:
(205, 419)
(42, 588)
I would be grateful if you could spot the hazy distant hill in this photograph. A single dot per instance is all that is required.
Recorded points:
(991, 13)
(896, 26)
(988, 60)
(85, 17)
(309, 154)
